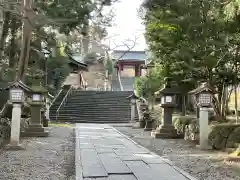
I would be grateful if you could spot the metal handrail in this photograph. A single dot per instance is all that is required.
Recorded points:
(59, 92)
(120, 82)
(63, 101)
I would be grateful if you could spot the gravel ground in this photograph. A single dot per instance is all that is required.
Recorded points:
(204, 165)
(50, 158)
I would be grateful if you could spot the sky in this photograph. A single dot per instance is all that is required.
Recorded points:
(127, 26)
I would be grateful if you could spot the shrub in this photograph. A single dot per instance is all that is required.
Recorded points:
(219, 135)
(233, 138)
(180, 122)
(156, 115)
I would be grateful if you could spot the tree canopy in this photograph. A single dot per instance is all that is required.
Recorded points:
(195, 41)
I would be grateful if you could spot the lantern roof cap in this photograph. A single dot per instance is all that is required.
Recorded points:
(19, 84)
(203, 87)
(168, 90)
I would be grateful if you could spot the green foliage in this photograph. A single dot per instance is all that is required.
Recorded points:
(71, 14)
(140, 86)
(149, 84)
(220, 133)
(109, 66)
(58, 70)
(195, 42)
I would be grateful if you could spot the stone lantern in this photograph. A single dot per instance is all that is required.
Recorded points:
(133, 98)
(17, 97)
(35, 128)
(202, 95)
(203, 98)
(168, 102)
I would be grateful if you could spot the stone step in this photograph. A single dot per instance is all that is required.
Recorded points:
(96, 107)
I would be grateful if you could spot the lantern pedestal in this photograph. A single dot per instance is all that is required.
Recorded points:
(35, 129)
(204, 129)
(15, 128)
(165, 132)
(133, 112)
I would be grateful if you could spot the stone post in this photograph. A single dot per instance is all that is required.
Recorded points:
(35, 128)
(133, 108)
(203, 128)
(166, 130)
(47, 108)
(15, 128)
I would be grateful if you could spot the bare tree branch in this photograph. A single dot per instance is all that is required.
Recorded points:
(126, 44)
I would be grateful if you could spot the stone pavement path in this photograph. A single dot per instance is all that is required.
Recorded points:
(103, 153)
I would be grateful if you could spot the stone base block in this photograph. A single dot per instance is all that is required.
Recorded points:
(14, 147)
(147, 129)
(34, 134)
(165, 132)
(35, 126)
(34, 129)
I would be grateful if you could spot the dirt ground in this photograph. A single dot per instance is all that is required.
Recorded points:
(204, 165)
(50, 158)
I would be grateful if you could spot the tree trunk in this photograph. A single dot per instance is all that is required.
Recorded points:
(4, 31)
(183, 107)
(12, 52)
(236, 103)
(26, 39)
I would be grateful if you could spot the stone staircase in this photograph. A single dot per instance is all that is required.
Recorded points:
(127, 83)
(96, 107)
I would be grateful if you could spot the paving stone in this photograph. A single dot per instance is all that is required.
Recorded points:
(79, 175)
(104, 150)
(131, 158)
(122, 177)
(110, 146)
(99, 178)
(113, 164)
(152, 159)
(168, 172)
(86, 146)
(184, 173)
(142, 171)
(92, 166)
(122, 151)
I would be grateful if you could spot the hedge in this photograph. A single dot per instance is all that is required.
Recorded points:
(223, 136)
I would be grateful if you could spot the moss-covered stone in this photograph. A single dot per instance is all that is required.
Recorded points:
(219, 135)
(191, 131)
